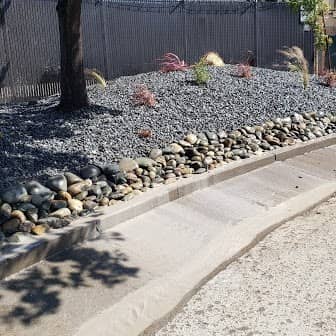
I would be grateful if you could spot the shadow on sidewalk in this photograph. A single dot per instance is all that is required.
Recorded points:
(39, 288)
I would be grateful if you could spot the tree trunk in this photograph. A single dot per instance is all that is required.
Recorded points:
(73, 86)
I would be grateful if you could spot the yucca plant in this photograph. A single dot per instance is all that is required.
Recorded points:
(201, 72)
(94, 74)
(171, 62)
(296, 62)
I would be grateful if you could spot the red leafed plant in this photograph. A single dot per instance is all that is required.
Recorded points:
(143, 96)
(244, 70)
(171, 62)
(329, 79)
(145, 133)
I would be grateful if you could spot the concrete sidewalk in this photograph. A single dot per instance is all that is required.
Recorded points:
(284, 286)
(89, 290)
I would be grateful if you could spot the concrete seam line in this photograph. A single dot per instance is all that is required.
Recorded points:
(145, 310)
(84, 229)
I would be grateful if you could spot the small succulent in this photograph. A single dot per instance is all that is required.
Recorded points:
(143, 96)
(296, 62)
(171, 62)
(201, 72)
(244, 70)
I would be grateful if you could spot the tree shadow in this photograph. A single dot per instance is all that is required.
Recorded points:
(32, 138)
(40, 287)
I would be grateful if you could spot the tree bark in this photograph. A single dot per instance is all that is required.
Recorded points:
(73, 86)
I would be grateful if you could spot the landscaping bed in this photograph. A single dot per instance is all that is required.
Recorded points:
(227, 120)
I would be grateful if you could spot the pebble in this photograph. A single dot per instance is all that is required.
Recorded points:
(14, 194)
(57, 183)
(75, 205)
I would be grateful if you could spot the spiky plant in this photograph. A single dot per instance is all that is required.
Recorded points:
(212, 58)
(296, 62)
(171, 62)
(94, 74)
(201, 72)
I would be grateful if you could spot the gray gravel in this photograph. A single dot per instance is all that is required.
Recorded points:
(38, 141)
(285, 286)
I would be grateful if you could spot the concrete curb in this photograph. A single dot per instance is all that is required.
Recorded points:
(21, 256)
(147, 309)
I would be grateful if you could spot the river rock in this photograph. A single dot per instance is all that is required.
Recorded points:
(11, 226)
(36, 188)
(57, 183)
(40, 229)
(72, 178)
(128, 165)
(155, 153)
(27, 226)
(61, 213)
(90, 171)
(14, 194)
(78, 187)
(19, 215)
(75, 205)
(53, 222)
(145, 162)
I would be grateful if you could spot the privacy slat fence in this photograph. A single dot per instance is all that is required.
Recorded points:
(127, 37)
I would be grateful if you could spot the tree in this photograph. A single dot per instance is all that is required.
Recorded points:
(73, 86)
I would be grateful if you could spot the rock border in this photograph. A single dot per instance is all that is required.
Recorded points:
(24, 255)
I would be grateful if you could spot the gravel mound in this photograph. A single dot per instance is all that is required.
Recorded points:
(36, 140)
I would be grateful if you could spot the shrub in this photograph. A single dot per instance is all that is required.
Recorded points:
(145, 133)
(244, 70)
(201, 72)
(296, 62)
(142, 96)
(214, 59)
(329, 79)
(94, 74)
(171, 62)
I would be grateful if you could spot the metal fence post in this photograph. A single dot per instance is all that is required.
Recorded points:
(256, 39)
(4, 5)
(103, 27)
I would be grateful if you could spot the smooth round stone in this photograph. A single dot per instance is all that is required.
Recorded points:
(297, 118)
(187, 171)
(61, 213)
(26, 226)
(90, 205)
(95, 190)
(171, 163)
(90, 171)
(78, 187)
(58, 204)
(64, 195)
(57, 183)
(11, 226)
(200, 171)
(39, 199)
(139, 171)
(104, 201)
(54, 222)
(191, 138)
(208, 160)
(222, 134)
(39, 230)
(14, 194)
(228, 143)
(155, 153)
(32, 215)
(161, 160)
(184, 143)
(19, 215)
(128, 165)
(107, 190)
(137, 185)
(265, 145)
(116, 195)
(5, 211)
(196, 165)
(75, 205)
(72, 178)
(145, 162)
(36, 188)
(111, 169)
(173, 148)
(24, 206)
(211, 135)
